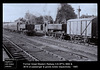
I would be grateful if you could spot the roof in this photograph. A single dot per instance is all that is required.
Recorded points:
(82, 19)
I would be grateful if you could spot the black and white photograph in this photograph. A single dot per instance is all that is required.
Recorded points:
(50, 32)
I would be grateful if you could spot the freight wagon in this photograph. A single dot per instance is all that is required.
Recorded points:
(85, 28)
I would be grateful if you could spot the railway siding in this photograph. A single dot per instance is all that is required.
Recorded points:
(50, 47)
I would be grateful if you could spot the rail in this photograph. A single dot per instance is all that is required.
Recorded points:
(21, 50)
(8, 53)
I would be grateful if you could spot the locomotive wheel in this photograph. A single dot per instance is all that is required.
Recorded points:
(86, 40)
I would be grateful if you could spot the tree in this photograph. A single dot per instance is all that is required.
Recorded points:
(87, 16)
(65, 13)
(30, 18)
(39, 20)
(20, 20)
(48, 18)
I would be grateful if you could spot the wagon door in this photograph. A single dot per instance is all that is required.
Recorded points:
(89, 28)
(86, 28)
(83, 28)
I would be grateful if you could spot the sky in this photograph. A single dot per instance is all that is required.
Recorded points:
(13, 11)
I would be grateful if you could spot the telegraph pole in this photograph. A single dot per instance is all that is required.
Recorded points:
(45, 23)
(49, 17)
(79, 10)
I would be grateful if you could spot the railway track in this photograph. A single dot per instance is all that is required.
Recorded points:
(79, 53)
(41, 54)
(64, 44)
(15, 52)
(69, 53)
(8, 53)
(74, 41)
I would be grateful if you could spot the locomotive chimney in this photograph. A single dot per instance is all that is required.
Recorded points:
(79, 12)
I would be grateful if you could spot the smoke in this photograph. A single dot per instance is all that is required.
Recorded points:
(51, 10)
